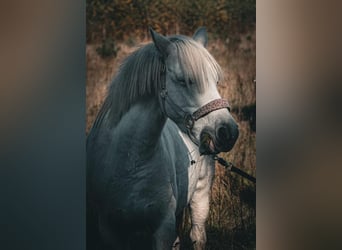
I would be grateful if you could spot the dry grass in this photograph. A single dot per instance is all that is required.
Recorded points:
(231, 223)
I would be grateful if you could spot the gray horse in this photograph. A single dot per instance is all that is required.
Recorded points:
(149, 152)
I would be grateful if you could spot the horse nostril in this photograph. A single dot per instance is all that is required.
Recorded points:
(226, 136)
(223, 133)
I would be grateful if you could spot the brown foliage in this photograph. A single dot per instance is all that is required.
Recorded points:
(118, 19)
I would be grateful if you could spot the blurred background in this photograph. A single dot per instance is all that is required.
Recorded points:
(43, 109)
(114, 29)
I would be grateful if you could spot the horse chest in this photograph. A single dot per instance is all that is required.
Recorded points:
(139, 195)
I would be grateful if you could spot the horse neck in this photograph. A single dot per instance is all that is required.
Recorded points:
(142, 125)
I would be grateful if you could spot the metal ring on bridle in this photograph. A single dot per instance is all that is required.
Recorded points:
(189, 121)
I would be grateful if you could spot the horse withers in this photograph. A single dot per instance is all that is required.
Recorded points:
(149, 152)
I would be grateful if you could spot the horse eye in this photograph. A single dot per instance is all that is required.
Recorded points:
(181, 81)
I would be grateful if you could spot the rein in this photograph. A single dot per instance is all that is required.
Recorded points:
(230, 166)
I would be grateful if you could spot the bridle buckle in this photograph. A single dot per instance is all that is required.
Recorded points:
(189, 121)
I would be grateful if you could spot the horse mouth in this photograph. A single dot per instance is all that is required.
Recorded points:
(207, 145)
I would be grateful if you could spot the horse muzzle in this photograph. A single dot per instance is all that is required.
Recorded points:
(221, 140)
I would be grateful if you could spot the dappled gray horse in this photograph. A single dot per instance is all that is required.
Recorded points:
(149, 152)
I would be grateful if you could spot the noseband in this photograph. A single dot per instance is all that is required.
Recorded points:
(187, 119)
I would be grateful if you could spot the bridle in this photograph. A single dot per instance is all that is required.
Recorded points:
(185, 119)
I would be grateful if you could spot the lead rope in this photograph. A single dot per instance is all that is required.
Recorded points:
(230, 166)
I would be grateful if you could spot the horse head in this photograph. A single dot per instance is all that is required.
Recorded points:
(189, 94)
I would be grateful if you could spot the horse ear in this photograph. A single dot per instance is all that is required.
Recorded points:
(201, 36)
(161, 42)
